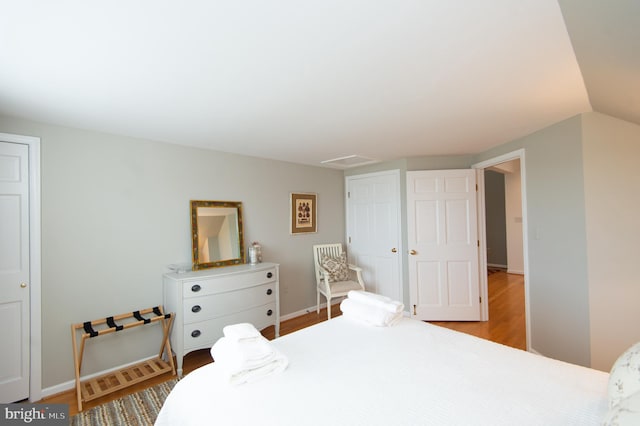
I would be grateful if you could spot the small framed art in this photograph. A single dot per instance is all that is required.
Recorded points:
(303, 210)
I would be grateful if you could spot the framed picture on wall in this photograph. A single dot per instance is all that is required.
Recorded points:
(303, 210)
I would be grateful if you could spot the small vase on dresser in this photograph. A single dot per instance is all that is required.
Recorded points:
(205, 301)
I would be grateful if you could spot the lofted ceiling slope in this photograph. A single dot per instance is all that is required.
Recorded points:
(606, 38)
(306, 82)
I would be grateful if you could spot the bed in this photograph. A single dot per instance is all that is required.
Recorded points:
(342, 372)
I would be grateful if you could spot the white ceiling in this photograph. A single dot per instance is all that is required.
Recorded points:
(295, 80)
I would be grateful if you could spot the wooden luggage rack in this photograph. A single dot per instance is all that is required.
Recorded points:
(99, 386)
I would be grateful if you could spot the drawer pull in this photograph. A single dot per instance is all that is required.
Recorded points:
(269, 274)
(195, 288)
(269, 291)
(196, 308)
(269, 312)
(195, 333)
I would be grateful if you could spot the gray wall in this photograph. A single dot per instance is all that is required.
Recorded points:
(115, 212)
(558, 285)
(440, 162)
(495, 214)
(611, 151)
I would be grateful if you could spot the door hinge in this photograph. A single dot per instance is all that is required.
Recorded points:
(414, 310)
(349, 240)
(348, 194)
(480, 299)
(478, 243)
(476, 187)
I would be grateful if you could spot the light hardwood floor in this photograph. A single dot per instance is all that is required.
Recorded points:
(506, 325)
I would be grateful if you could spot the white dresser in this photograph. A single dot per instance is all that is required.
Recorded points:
(207, 300)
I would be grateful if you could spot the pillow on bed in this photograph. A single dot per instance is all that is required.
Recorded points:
(625, 375)
(336, 268)
(625, 413)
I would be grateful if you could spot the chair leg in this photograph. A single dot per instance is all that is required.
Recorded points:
(328, 308)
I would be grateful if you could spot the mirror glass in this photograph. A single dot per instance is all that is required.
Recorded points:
(216, 233)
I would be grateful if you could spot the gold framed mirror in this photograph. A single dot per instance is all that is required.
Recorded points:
(216, 234)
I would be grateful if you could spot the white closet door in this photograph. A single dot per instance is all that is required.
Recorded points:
(14, 272)
(373, 230)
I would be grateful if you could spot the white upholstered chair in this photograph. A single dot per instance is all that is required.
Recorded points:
(337, 288)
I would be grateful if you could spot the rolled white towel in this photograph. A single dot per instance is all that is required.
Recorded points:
(377, 300)
(241, 331)
(242, 354)
(369, 314)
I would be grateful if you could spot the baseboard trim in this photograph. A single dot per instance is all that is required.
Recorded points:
(533, 351)
(71, 384)
(300, 312)
(307, 310)
(322, 306)
(495, 265)
(514, 271)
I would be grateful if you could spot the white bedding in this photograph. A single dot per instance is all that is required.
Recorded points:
(344, 373)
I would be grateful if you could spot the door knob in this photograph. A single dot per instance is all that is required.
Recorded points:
(23, 285)
(413, 252)
(394, 250)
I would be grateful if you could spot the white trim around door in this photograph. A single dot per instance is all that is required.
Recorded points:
(514, 155)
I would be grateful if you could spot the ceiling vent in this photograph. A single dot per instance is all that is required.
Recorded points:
(348, 161)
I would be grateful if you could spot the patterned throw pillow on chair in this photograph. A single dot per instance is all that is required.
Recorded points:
(336, 268)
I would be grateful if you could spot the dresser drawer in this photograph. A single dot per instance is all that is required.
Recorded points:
(204, 334)
(231, 282)
(216, 305)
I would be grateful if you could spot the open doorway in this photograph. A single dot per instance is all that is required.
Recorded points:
(512, 167)
(503, 217)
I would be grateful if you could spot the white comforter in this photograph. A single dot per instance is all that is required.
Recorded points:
(345, 373)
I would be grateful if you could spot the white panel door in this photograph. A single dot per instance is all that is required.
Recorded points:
(373, 230)
(14, 272)
(443, 245)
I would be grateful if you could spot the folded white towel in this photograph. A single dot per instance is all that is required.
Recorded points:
(377, 300)
(244, 357)
(369, 314)
(242, 331)
(242, 354)
(247, 375)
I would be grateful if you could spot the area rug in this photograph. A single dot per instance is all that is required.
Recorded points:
(138, 409)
